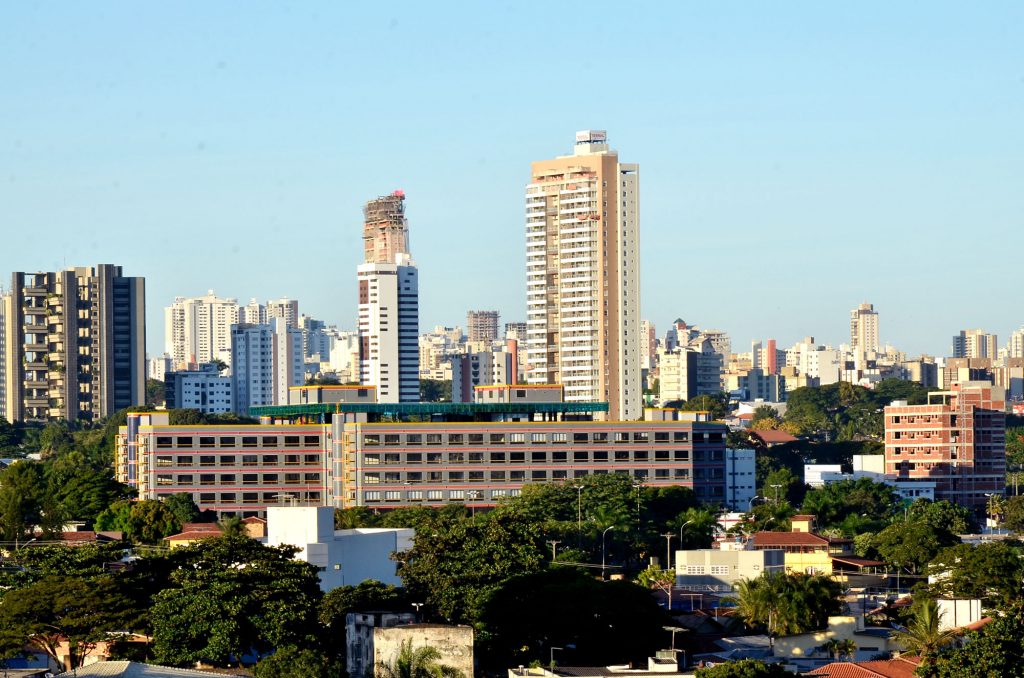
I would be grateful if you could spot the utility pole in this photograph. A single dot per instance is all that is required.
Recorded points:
(554, 543)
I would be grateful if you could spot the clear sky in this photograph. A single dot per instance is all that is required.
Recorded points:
(797, 158)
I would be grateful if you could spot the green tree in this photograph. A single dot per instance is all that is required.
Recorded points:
(716, 405)
(853, 506)
(765, 418)
(566, 607)
(55, 609)
(81, 490)
(22, 494)
(146, 521)
(790, 487)
(910, 546)
(456, 567)
(787, 603)
(991, 572)
(156, 392)
(420, 662)
(995, 651)
(55, 438)
(1013, 519)
(182, 506)
(744, 668)
(230, 596)
(10, 439)
(57, 560)
(924, 635)
(293, 662)
(698, 527)
(770, 516)
(435, 390)
(942, 515)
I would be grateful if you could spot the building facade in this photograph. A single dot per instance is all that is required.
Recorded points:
(198, 329)
(864, 330)
(388, 303)
(957, 441)
(284, 308)
(975, 344)
(482, 325)
(204, 389)
(583, 276)
(73, 344)
(267, 362)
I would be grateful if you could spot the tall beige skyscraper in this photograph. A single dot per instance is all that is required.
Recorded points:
(583, 276)
(864, 330)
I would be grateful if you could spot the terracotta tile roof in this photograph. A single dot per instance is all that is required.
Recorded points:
(772, 437)
(903, 667)
(200, 527)
(858, 562)
(977, 625)
(769, 539)
(252, 520)
(193, 535)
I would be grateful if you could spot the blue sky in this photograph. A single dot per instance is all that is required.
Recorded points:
(796, 158)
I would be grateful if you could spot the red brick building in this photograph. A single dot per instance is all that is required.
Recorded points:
(957, 440)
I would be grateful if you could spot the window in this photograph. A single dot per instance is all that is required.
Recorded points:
(164, 461)
(164, 479)
(497, 457)
(682, 473)
(456, 476)
(248, 441)
(538, 438)
(558, 438)
(392, 439)
(497, 439)
(291, 441)
(581, 438)
(622, 437)
(227, 441)
(600, 455)
(184, 461)
(456, 439)
(694, 569)
(184, 441)
(371, 496)
(207, 461)
(640, 455)
(681, 455)
(434, 495)
(538, 475)
(414, 477)
(720, 569)
(456, 457)
(185, 479)
(661, 474)
(415, 495)
(392, 458)
(517, 457)
(207, 479)
(661, 436)
(601, 437)
(414, 458)
(227, 478)
(269, 459)
(163, 441)
(312, 478)
(559, 457)
(250, 478)
(640, 474)
(457, 495)
(414, 439)
(270, 478)
(476, 438)
(560, 474)
(269, 441)
(206, 441)
(371, 440)
(476, 457)
(392, 477)
(292, 478)
(497, 476)
(371, 478)
(433, 439)
(371, 459)
(476, 476)
(311, 441)
(581, 456)
(640, 437)
(661, 455)
(681, 436)
(517, 438)
(249, 460)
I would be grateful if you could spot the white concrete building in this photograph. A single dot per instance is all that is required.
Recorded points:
(583, 276)
(821, 363)
(740, 478)
(342, 557)
(689, 370)
(157, 367)
(204, 389)
(267, 362)
(389, 304)
(814, 473)
(198, 329)
(864, 330)
(284, 308)
(253, 313)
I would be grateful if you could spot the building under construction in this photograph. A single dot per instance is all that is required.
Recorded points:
(385, 229)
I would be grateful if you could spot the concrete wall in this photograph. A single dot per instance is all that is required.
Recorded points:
(455, 643)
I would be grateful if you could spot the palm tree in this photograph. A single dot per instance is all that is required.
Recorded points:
(837, 649)
(698, 525)
(784, 603)
(421, 662)
(925, 637)
(232, 526)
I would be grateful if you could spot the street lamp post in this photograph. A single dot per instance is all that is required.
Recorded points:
(668, 549)
(553, 648)
(681, 528)
(750, 503)
(579, 516)
(603, 535)
(776, 487)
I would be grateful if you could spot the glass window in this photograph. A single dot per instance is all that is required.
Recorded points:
(185, 479)
(581, 438)
(392, 439)
(600, 455)
(456, 476)
(392, 495)
(311, 441)
(682, 455)
(476, 476)
(163, 441)
(414, 458)
(681, 436)
(476, 457)
(497, 439)
(250, 478)
(476, 438)
(184, 441)
(559, 457)
(207, 441)
(517, 438)
(538, 475)
(579, 456)
(227, 441)
(538, 438)
(661, 455)
(184, 460)
(661, 436)
(559, 474)
(414, 439)
(559, 437)
(207, 461)
(640, 437)
(269, 459)
(456, 457)
(249, 460)
(497, 457)
(291, 441)
(456, 439)
(269, 441)
(433, 439)
(248, 441)
(600, 437)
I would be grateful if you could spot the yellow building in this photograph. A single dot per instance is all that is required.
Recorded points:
(806, 552)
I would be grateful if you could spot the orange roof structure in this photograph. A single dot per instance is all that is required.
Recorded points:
(901, 667)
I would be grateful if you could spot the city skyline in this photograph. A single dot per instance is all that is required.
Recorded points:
(839, 148)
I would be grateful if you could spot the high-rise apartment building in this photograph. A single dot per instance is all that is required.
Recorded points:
(267, 360)
(253, 313)
(1015, 346)
(648, 344)
(957, 441)
(284, 308)
(583, 276)
(975, 344)
(864, 330)
(388, 303)
(198, 329)
(482, 325)
(73, 344)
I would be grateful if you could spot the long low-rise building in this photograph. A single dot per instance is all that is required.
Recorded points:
(359, 453)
